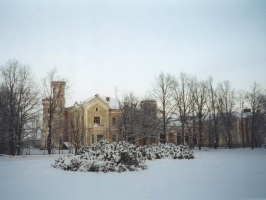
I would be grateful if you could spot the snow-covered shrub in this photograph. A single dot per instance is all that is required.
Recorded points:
(105, 156)
(185, 152)
(167, 150)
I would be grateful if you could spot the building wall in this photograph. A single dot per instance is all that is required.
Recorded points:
(236, 134)
(94, 132)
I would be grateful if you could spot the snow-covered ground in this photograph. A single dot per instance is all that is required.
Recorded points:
(213, 174)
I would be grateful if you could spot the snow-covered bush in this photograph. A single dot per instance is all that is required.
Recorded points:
(105, 156)
(167, 150)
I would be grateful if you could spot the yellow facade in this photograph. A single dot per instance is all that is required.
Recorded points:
(99, 117)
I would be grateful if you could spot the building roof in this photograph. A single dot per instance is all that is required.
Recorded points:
(244, 115)
(113, 103)
(174, 122)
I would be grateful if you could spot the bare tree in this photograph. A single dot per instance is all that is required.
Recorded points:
(200, 98)
(53, 108)
(35, 126)
(162, 93)
(75, 128)
(129, 120)
(241, 97)
(261, 119)
(213, 114)
(183, 100)
(227, 108)
(253, 100)
(20, 102)
(4, 121)
(148, 120)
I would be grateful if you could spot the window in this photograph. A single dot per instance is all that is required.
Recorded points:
(99, 138)
(96, 109)
(92, 139)
(96, 120)
(113, 121)
(114, 137)
(153, 139)
(171, 138)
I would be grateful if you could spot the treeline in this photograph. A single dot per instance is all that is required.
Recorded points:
(203, 110)
(19, 106)
(200, 109)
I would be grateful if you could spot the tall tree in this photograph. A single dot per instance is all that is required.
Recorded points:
(53, 108)
(20, 102)
(241, 98)
(35, 126)
(253, 100)
(213, 114)
(162, 93)
(227, 108)
(261, 119)
(129, 120)
(4, 122)
(148, 120)
(75, 128)
(200, 98)
(183, 100)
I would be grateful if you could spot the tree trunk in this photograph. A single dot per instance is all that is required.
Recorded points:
(252, 132)
(200, 138)
(229, 140)
(215, 143)
(11, 144)
(18, 150)
(11, 148)
(215, 135)
(49, 143)
(242, 130)
(19, 145)
(76, 149)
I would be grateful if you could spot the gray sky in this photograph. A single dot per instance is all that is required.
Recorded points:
(100, 45)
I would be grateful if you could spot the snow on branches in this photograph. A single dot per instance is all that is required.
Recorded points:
(105, 156)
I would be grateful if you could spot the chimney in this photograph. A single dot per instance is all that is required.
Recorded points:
(108, 99)
(96, 95)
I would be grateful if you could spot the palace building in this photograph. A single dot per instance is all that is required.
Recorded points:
(86, 122)
(98, 115)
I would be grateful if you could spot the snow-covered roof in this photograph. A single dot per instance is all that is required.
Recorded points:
(244, 115)
(174, 122)
(113, 103)
(68, 144)
(235, 114)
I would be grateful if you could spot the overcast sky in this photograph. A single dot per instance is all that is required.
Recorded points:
(100, 45)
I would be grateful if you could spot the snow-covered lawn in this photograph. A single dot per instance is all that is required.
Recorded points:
(213, 174)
